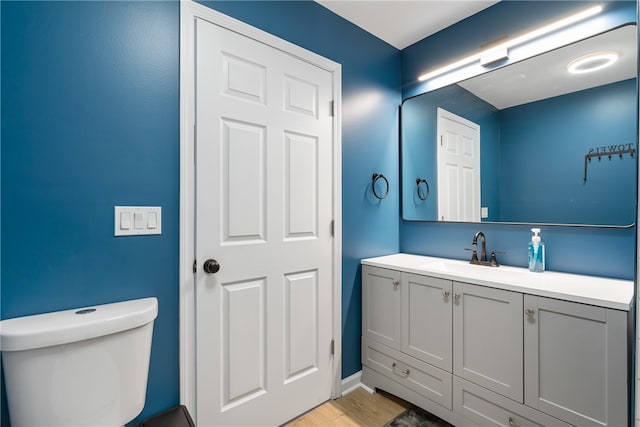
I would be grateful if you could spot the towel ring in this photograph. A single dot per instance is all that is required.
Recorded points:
(375, 178)
(420, 181)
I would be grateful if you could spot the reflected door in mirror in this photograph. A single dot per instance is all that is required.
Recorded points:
(458, 168)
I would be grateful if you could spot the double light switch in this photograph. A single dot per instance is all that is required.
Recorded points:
(137, 220)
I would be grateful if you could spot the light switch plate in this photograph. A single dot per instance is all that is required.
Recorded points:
(142, 220)
(484, 212)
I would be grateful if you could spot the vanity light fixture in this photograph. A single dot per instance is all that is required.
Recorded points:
(504, 46)
(493, 57)
(592, 62)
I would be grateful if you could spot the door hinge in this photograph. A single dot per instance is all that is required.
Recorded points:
(441, 140)
(333, 228)
(333, 347)
(195, 266)
(332, 108)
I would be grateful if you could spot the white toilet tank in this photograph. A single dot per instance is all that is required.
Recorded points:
(82, 367)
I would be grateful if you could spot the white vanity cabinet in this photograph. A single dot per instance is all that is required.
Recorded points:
(476, 349)
(576, 361)
(486, 408)
(407, 331)
(487, 338)
(426, 319)
(381, 306)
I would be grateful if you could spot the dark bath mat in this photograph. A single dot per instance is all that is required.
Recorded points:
(175, 417)
(416, 417)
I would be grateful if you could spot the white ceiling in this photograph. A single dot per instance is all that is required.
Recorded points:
(402, 23)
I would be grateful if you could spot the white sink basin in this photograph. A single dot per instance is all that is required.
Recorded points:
(466, 269)
(451, 267)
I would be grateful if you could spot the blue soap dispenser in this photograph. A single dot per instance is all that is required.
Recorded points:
(536, 252)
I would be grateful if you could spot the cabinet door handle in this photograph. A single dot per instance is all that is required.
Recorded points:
(512, 423)
(446, 294)
(529, 312)
(396, 283)
(402, 371)
(456, 297)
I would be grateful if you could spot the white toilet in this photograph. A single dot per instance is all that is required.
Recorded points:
(82, 367)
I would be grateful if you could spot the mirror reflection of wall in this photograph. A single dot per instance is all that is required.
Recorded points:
(535, 132)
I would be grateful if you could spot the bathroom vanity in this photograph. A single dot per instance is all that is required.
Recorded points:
(478, 345)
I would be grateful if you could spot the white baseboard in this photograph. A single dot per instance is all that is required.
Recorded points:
(354, 382)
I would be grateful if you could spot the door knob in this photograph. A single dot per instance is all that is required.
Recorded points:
(211, 266)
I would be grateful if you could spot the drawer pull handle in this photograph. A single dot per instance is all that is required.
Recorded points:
(529, 312)
(512, 423)
(402, 371)
(446, 294)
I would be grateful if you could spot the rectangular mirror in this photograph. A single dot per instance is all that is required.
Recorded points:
(529, 142)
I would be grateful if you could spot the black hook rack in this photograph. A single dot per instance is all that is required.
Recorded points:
(609, 154)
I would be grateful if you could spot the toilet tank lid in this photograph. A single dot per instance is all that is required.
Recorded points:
(64, 327)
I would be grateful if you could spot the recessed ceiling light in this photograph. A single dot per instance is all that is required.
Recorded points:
(592, 62)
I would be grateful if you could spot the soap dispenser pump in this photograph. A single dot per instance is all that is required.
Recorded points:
(536, 252)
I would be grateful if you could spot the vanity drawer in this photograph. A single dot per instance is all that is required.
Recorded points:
(429, 381)
(487, 408)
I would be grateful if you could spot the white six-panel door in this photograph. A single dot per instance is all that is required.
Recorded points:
(263, 212)
(458, 168)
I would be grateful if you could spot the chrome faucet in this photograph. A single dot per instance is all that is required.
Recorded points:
(493, 262)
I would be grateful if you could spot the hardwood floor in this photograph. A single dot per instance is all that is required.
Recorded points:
(357, 409)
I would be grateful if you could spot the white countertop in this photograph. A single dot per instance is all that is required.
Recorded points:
(600, 291)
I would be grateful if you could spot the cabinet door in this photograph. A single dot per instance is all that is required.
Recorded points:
(426, 319)
(487, 338)
(576, 361)
(381, 304)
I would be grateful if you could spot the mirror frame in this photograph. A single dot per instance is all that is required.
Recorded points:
(636, 157)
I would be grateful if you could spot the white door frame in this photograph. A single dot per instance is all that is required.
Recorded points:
(189, 11)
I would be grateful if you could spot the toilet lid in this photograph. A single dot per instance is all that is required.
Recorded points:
(63, 327)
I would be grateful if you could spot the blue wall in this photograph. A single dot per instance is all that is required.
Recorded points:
(596, 251)
(542, 152)
(91, 120)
